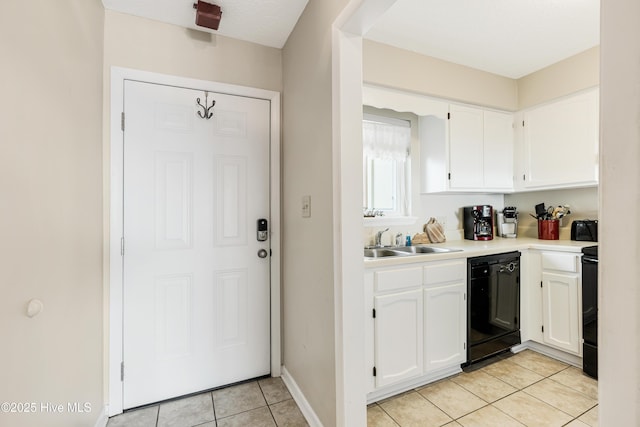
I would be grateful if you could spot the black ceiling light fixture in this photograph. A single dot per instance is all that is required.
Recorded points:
(207, 15)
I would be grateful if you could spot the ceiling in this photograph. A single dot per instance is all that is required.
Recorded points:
(266, 22)
(511, 38)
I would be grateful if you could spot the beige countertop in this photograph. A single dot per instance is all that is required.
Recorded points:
(470, 248)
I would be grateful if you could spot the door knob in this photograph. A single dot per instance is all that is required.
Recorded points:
(262, 253)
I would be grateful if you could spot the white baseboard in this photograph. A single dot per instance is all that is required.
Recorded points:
(301, 400)
(401, 387)
(103, 418)
(549, 351)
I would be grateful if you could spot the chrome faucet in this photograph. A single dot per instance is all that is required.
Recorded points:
(399, 237)
(379, 237)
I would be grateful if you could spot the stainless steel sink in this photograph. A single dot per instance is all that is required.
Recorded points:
(383, 252)
(400, 251)
(425, 250)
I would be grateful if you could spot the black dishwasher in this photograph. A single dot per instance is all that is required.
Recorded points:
(493, 305)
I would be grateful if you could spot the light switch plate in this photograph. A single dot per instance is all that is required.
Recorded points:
(306, 206)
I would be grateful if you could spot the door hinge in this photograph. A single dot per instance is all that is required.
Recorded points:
(464, 296)
(374, 313)
(374, 371)
(542, 328)
(121, 371)
(122, 246)
(448, 116)
(464, 345)
(449, 176)
(122, 121)
(524, 177)
(523, 123)
(540, 283)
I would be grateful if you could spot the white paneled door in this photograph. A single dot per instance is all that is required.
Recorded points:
(196, 278)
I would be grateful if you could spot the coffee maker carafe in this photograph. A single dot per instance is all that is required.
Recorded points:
(478, 222)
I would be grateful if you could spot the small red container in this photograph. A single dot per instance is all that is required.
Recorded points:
(548, 229)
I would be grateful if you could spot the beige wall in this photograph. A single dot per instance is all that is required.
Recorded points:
(308, 267)
(571, 75)
(401, 69)
(619, 292)
(51, 215)
(583, 203)
(143, 44)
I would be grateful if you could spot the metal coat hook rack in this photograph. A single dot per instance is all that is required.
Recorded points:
(206, 108)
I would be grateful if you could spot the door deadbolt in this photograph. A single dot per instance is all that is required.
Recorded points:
(263, 230)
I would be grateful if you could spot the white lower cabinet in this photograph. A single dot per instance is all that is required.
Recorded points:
(560, 312)
(416, 334)
(398, 339)
(445, 326)
(558, 301)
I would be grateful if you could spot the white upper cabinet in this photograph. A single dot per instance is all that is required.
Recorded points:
(469, 149)
(478, 151)
(498, 150)
(466, 148)
(561, 143)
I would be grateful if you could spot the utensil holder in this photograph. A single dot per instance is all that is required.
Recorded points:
(548, 229)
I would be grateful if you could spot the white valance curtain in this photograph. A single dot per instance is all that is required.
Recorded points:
(386, 140)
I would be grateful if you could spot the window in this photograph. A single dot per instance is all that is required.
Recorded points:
(386, 145)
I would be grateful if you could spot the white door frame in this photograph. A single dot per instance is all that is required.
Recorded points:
(115, 184)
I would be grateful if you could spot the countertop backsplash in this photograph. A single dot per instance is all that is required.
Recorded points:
(447, 209)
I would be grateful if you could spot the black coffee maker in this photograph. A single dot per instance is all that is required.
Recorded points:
(478, 222)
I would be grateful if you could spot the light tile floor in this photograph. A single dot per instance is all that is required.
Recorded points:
(525, 389)
(261, 403)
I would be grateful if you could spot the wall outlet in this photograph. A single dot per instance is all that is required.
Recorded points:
(306, 206)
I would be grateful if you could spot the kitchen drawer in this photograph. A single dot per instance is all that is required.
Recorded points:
(398, 278)
(444, 272)
(560, 262)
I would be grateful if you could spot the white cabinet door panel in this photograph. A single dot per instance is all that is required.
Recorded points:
(498, 150)
(561, 142)
(445, 326)
(465, 147)
(561, 316)
(398, 336)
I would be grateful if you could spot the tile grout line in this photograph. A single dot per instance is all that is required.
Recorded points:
(268, 405)
(523, 390)
(389, 415)
(213, 403)
(536, 382)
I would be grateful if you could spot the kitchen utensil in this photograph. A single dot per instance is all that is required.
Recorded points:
(540, 210)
